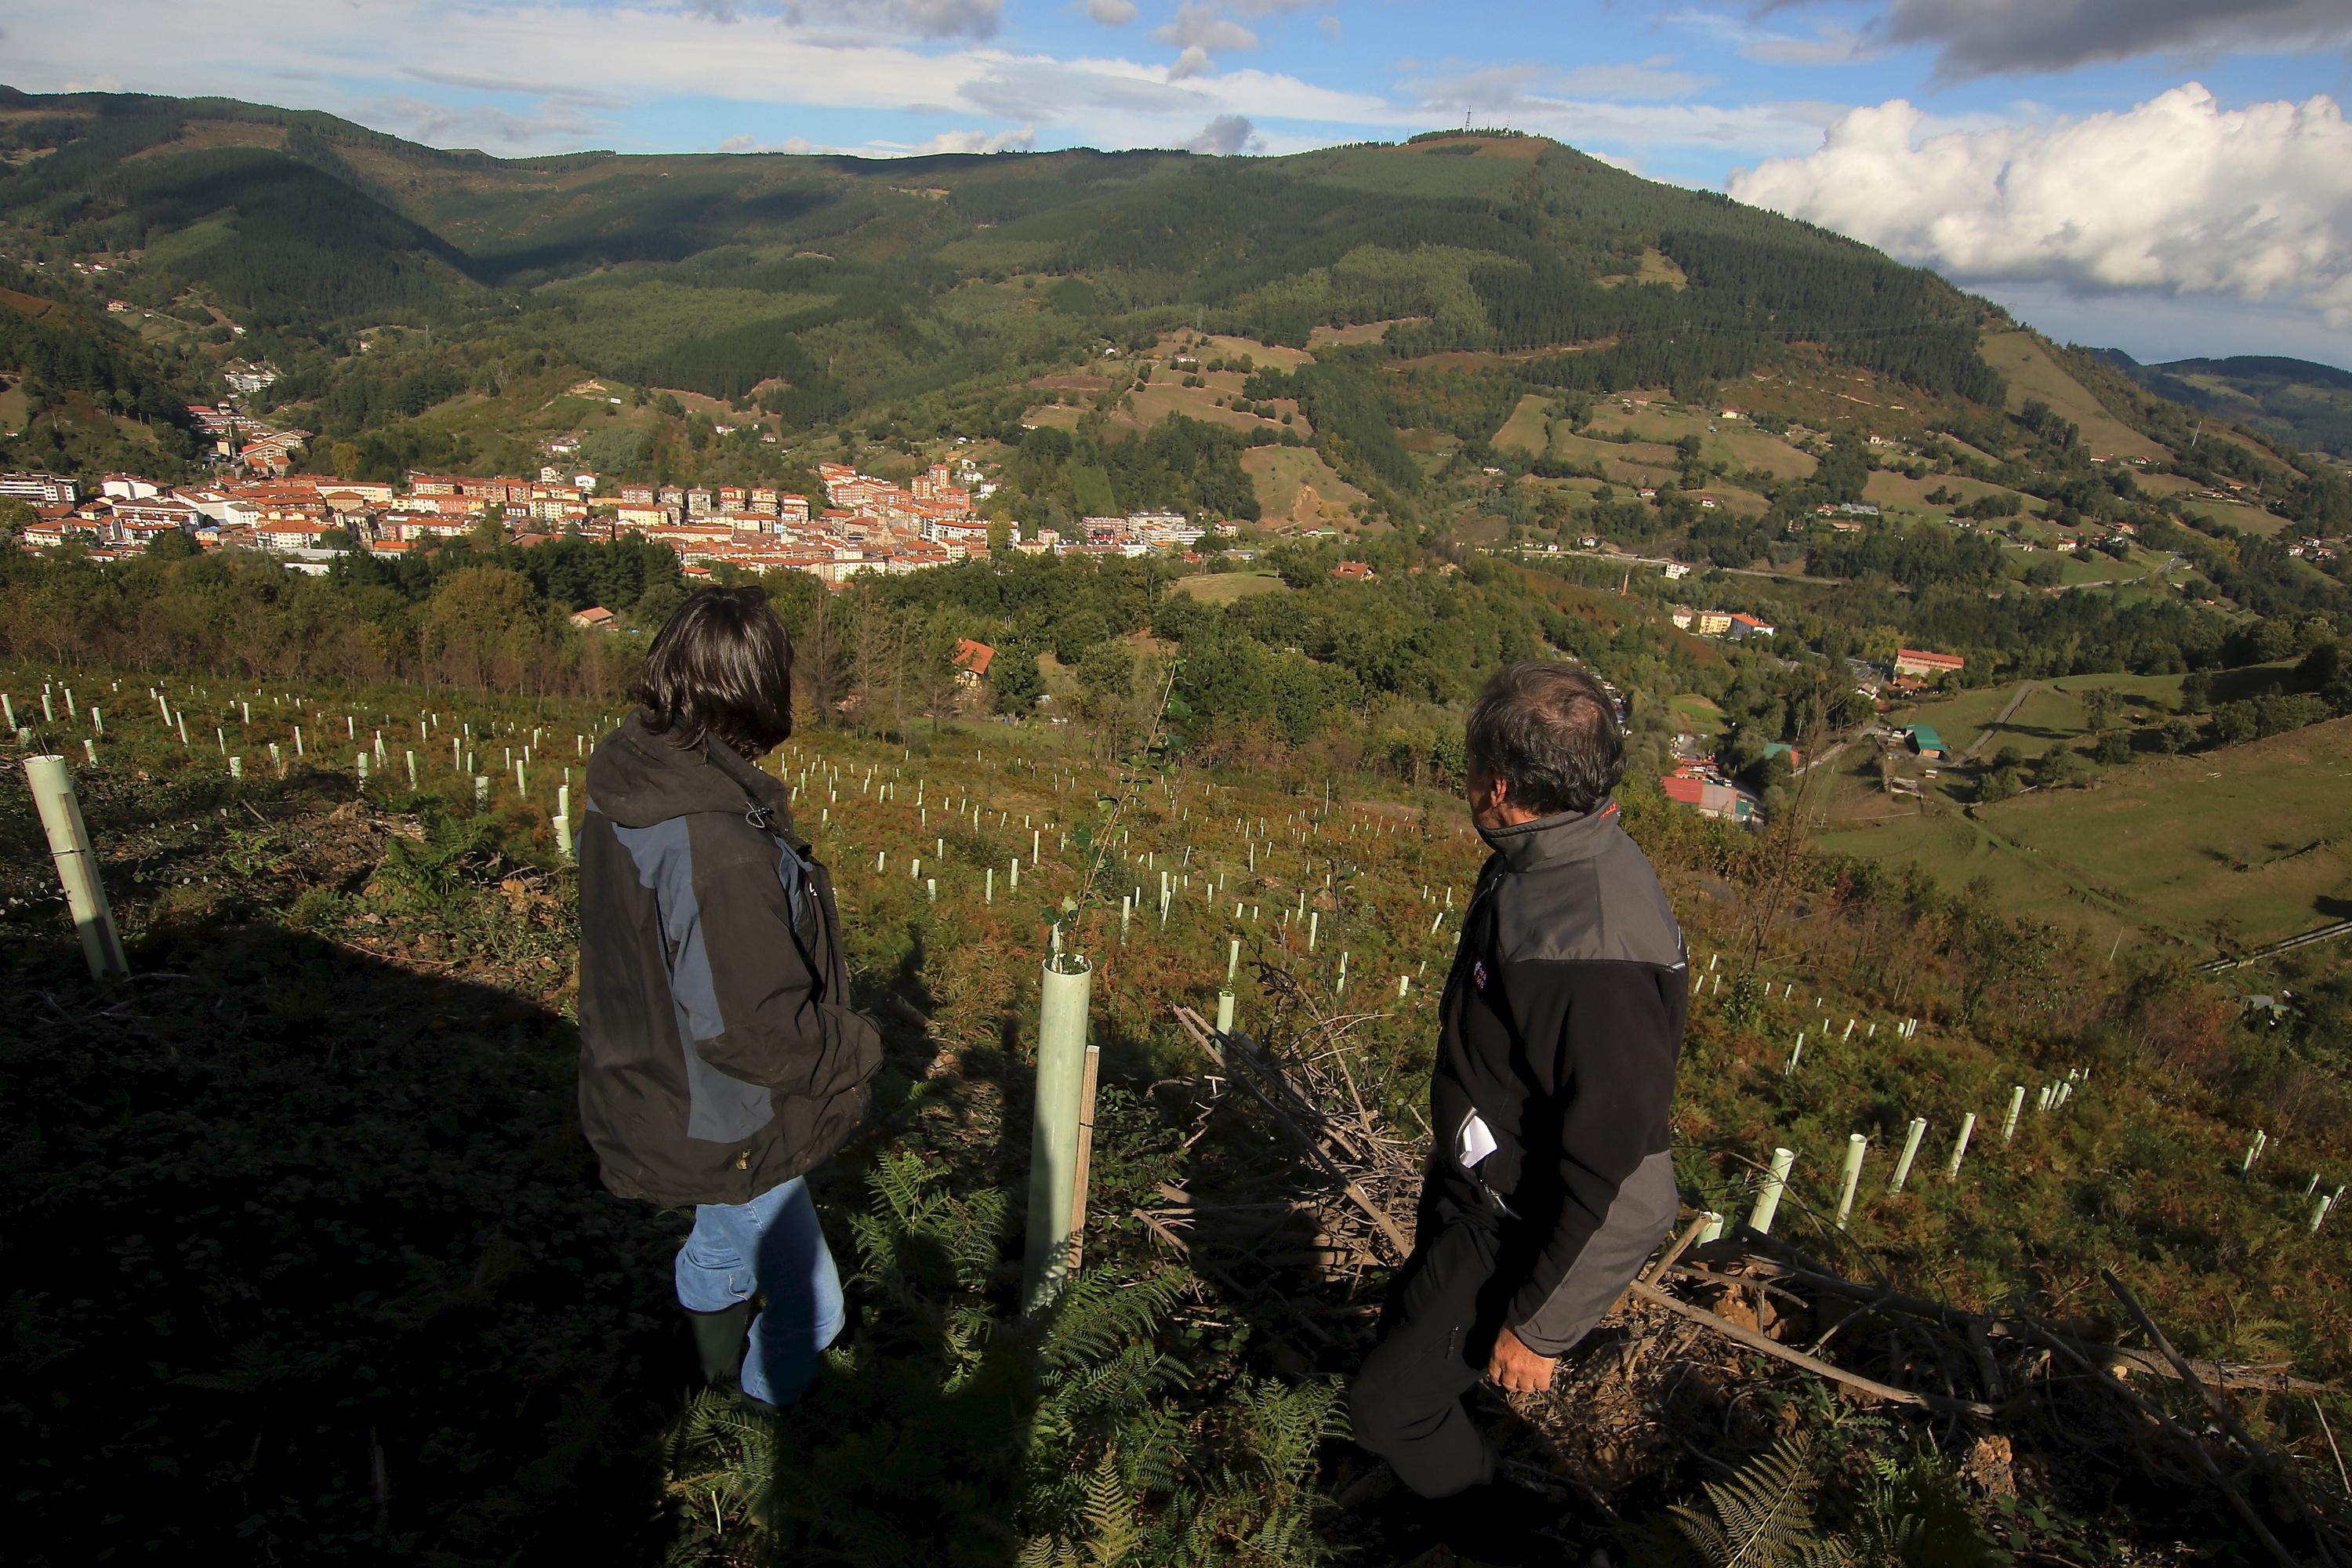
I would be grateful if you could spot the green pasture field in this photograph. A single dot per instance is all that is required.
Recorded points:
(1524, 430)
(2235, 844)
(1224, 587)
(1720, 440)
(1698, 715)
(2250, 843)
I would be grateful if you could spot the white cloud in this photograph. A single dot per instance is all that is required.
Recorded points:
(1226, 135)
(1501, 88)
(1331, 27)
(2176, 195)
(1830, 46)
(1199, 26)
(521, 77)
(1111, 13)
(483, 127)
(1021, 141)
(921, 18)
(1640, 82)
(1050, 90)
(513, 84)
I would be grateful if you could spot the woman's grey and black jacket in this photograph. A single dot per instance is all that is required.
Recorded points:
(718, 1054)
(1562, 1024)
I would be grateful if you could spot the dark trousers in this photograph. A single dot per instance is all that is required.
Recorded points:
(1407, 1401)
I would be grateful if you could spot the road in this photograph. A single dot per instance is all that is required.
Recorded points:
(1986, 732)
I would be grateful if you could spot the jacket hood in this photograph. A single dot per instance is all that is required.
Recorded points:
(1547, 840)
(637, 778)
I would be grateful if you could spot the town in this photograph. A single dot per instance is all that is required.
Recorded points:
(868, 524)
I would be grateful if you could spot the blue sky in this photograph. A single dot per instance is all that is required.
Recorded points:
(2172, 177)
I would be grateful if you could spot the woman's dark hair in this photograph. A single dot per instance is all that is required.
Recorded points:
(722, 668)
(1550, 730)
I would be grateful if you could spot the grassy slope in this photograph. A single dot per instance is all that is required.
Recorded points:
(2160, 846)
(549, 1434)
(2032, 374)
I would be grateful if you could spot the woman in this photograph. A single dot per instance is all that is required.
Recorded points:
(719, 1058)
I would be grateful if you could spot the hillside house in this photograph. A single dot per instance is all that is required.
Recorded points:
(1924, 739)
(595, 618)
(971, 660)
(1353, 571)
(1728, 802)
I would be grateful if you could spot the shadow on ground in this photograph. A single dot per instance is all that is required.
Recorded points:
(308, 1263)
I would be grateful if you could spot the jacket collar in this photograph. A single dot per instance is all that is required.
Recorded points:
(638, 778)
(1552, 840)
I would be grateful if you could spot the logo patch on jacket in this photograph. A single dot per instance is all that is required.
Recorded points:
(1478, 973)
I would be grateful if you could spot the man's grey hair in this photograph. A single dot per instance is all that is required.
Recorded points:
(1551, 731)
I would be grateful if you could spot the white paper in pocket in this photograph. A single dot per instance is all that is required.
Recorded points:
(1475, 1141)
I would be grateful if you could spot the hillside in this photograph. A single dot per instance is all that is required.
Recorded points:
(317, 1162)
(2291, 399)
(1412, 318)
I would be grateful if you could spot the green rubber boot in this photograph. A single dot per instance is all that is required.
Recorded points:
(718, 1341)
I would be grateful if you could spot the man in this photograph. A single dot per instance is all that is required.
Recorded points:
(720, 1059)
(1551, 1180)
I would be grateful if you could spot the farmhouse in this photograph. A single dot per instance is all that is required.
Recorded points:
(1920, 665)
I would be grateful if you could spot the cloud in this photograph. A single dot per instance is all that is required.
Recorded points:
(1199, 26)
(1830, 46)
(1989, 37)
(1038, 89)
(580, 95)
(483, 127)
(796, 145)
(1111, 13)
(2174, 197)
(1193, 61)
(1500, 88)
(920, 18)
(1331, 27)
(1021, 141)
(1226, 135)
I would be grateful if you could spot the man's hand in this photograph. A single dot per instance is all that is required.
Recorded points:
(1517, 1369)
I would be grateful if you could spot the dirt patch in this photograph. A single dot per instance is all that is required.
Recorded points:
(1362, 333)
(204, 134)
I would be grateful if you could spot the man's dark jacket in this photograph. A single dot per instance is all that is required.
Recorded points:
(1561, 1023)
(718, 1054)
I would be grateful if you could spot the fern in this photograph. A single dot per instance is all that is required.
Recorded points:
(721, 1456)
(1763, 1517)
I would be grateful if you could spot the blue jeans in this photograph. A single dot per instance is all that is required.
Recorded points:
(773, 1245)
